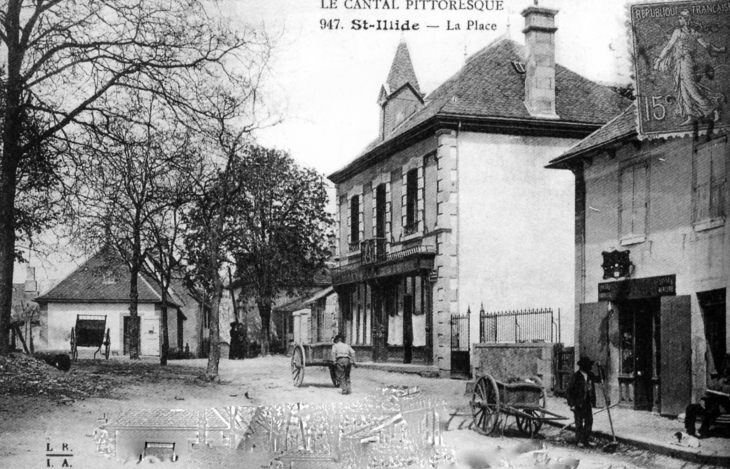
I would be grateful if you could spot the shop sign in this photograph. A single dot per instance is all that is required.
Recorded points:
(650, 287)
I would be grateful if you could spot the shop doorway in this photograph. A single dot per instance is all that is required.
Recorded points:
(639, 352)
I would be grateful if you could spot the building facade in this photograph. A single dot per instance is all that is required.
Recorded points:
(99, 290)
(425, 214)
(652, 261)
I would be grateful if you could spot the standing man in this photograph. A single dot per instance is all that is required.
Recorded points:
(344, 357)
(581, 399)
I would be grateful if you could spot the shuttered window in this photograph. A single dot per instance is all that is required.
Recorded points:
(634, 201)
(710, 181)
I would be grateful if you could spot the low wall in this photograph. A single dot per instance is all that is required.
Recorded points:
(506, 360)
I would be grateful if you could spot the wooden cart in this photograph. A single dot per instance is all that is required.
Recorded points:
(89, 332)
(492, 401)
(305, 355)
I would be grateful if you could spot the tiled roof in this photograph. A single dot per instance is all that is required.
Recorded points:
(488, 87)
(619, 128)
(87, 284)
(401, 71)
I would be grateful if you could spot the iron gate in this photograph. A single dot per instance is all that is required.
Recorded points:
(460, 363)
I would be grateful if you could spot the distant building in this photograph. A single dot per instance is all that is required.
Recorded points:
(660, 313)
(451, 207)
(100, 288)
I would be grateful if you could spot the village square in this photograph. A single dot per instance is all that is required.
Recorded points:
(214, 252)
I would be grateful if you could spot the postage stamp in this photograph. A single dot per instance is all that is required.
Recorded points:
(681, 67)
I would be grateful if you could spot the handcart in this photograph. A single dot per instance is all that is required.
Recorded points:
(304, 355)
(492, 401)
(89, 332)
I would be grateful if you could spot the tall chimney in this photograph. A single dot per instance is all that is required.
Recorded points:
(540, 67)
(30, 284)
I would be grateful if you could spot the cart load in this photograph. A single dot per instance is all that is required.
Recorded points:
(493, 401)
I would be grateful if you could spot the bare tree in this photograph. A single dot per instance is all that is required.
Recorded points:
(64, 57)
(164, 230)
(208, 226)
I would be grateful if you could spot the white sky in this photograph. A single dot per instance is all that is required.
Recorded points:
(327, 82)
(330, 80)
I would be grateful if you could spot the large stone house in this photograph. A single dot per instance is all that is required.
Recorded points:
(658, 318)
(451, 207)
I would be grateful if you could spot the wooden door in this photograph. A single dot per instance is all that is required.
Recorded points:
(593, 337)
(675, 354)
(150, 344)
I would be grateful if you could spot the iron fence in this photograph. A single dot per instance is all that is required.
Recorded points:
(527, 325)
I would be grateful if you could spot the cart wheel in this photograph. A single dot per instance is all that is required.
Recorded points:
(529, 426)
(107, 343)
(297, 365)
(333, 375)
(485, 405)
(74, 348)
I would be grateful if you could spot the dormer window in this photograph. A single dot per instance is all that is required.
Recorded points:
(519, 67)
(109, 277)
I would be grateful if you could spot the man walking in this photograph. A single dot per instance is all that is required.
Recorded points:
(581, 399)
(344, 357)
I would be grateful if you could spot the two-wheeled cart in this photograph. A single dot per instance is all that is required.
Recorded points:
(492, 401)
(89, 332)
(304, 355)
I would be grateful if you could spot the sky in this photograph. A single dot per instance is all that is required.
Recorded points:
(324, 83)
(328, 81)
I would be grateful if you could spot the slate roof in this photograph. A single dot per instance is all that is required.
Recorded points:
(86, 284)
(489, 88)
(621, 127)
(401, 70)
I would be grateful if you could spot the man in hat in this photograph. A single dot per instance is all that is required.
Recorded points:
(344, 357)
(581, 399)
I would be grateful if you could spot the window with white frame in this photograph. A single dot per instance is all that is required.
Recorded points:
(633, 203)
(709, 182)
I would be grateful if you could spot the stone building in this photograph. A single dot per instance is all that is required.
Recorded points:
(659, 317)
(99, 290)
(451, 206)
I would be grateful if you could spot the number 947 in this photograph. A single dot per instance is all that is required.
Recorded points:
(329, 24)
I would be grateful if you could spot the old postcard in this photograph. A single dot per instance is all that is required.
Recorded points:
(364, 234)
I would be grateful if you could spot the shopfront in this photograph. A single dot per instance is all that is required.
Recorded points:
(387, 312)
(640, 332)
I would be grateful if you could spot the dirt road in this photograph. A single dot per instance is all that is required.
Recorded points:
(31, 427)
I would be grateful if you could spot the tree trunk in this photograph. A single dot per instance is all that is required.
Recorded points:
(214, 353)
(164, 333)
(12, 153)
(265, 313)
(134, 297)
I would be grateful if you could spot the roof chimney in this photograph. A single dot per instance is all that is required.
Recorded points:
(30, 284)
(540, 67)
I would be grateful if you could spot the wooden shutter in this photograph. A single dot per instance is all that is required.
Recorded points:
(640, 200)
(718, 182)
(676, 354)
(593, 336)
(703, 177)
(627, 201)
